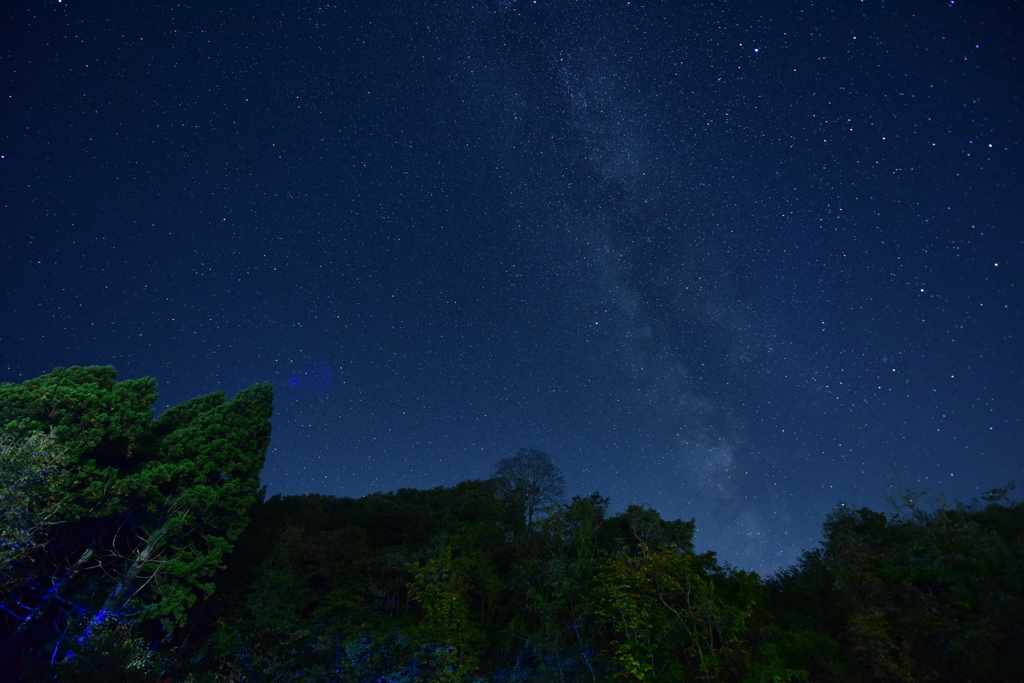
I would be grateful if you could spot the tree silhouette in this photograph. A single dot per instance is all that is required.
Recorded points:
(530, 481)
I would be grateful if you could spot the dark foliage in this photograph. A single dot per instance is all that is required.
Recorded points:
(453, 584)
(133, 525)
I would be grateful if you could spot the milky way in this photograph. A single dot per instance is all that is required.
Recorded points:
(735, 261)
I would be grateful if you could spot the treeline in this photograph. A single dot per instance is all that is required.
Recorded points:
(141, 550)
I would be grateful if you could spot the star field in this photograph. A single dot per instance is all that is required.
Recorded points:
(735, 261)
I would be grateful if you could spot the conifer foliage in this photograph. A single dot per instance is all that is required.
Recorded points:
(138, 514)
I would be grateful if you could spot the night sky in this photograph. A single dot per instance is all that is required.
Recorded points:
(737, 261)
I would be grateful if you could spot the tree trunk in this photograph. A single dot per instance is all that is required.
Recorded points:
(10, 664)
(122, 592)
(125, 588)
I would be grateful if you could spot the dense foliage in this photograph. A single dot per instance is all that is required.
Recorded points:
(189, 574)
(118, 518)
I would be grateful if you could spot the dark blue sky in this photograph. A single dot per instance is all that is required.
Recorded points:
(735, 261)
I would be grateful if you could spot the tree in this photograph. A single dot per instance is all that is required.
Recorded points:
(99, 421)
(99, 424)
(530, 481)
(923, 593)
(440, 585)
(670, 621)
(201, 484)
(146, 511)
(929, 594)
(32, 470)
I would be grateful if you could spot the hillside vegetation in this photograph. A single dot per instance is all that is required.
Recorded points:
(141, 549)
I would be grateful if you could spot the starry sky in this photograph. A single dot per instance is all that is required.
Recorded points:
(737, 261)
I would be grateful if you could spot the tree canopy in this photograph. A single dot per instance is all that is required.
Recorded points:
(117, 516)
(530, 482)
(136, 549)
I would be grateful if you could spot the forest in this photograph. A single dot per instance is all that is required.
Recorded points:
(142, 549)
